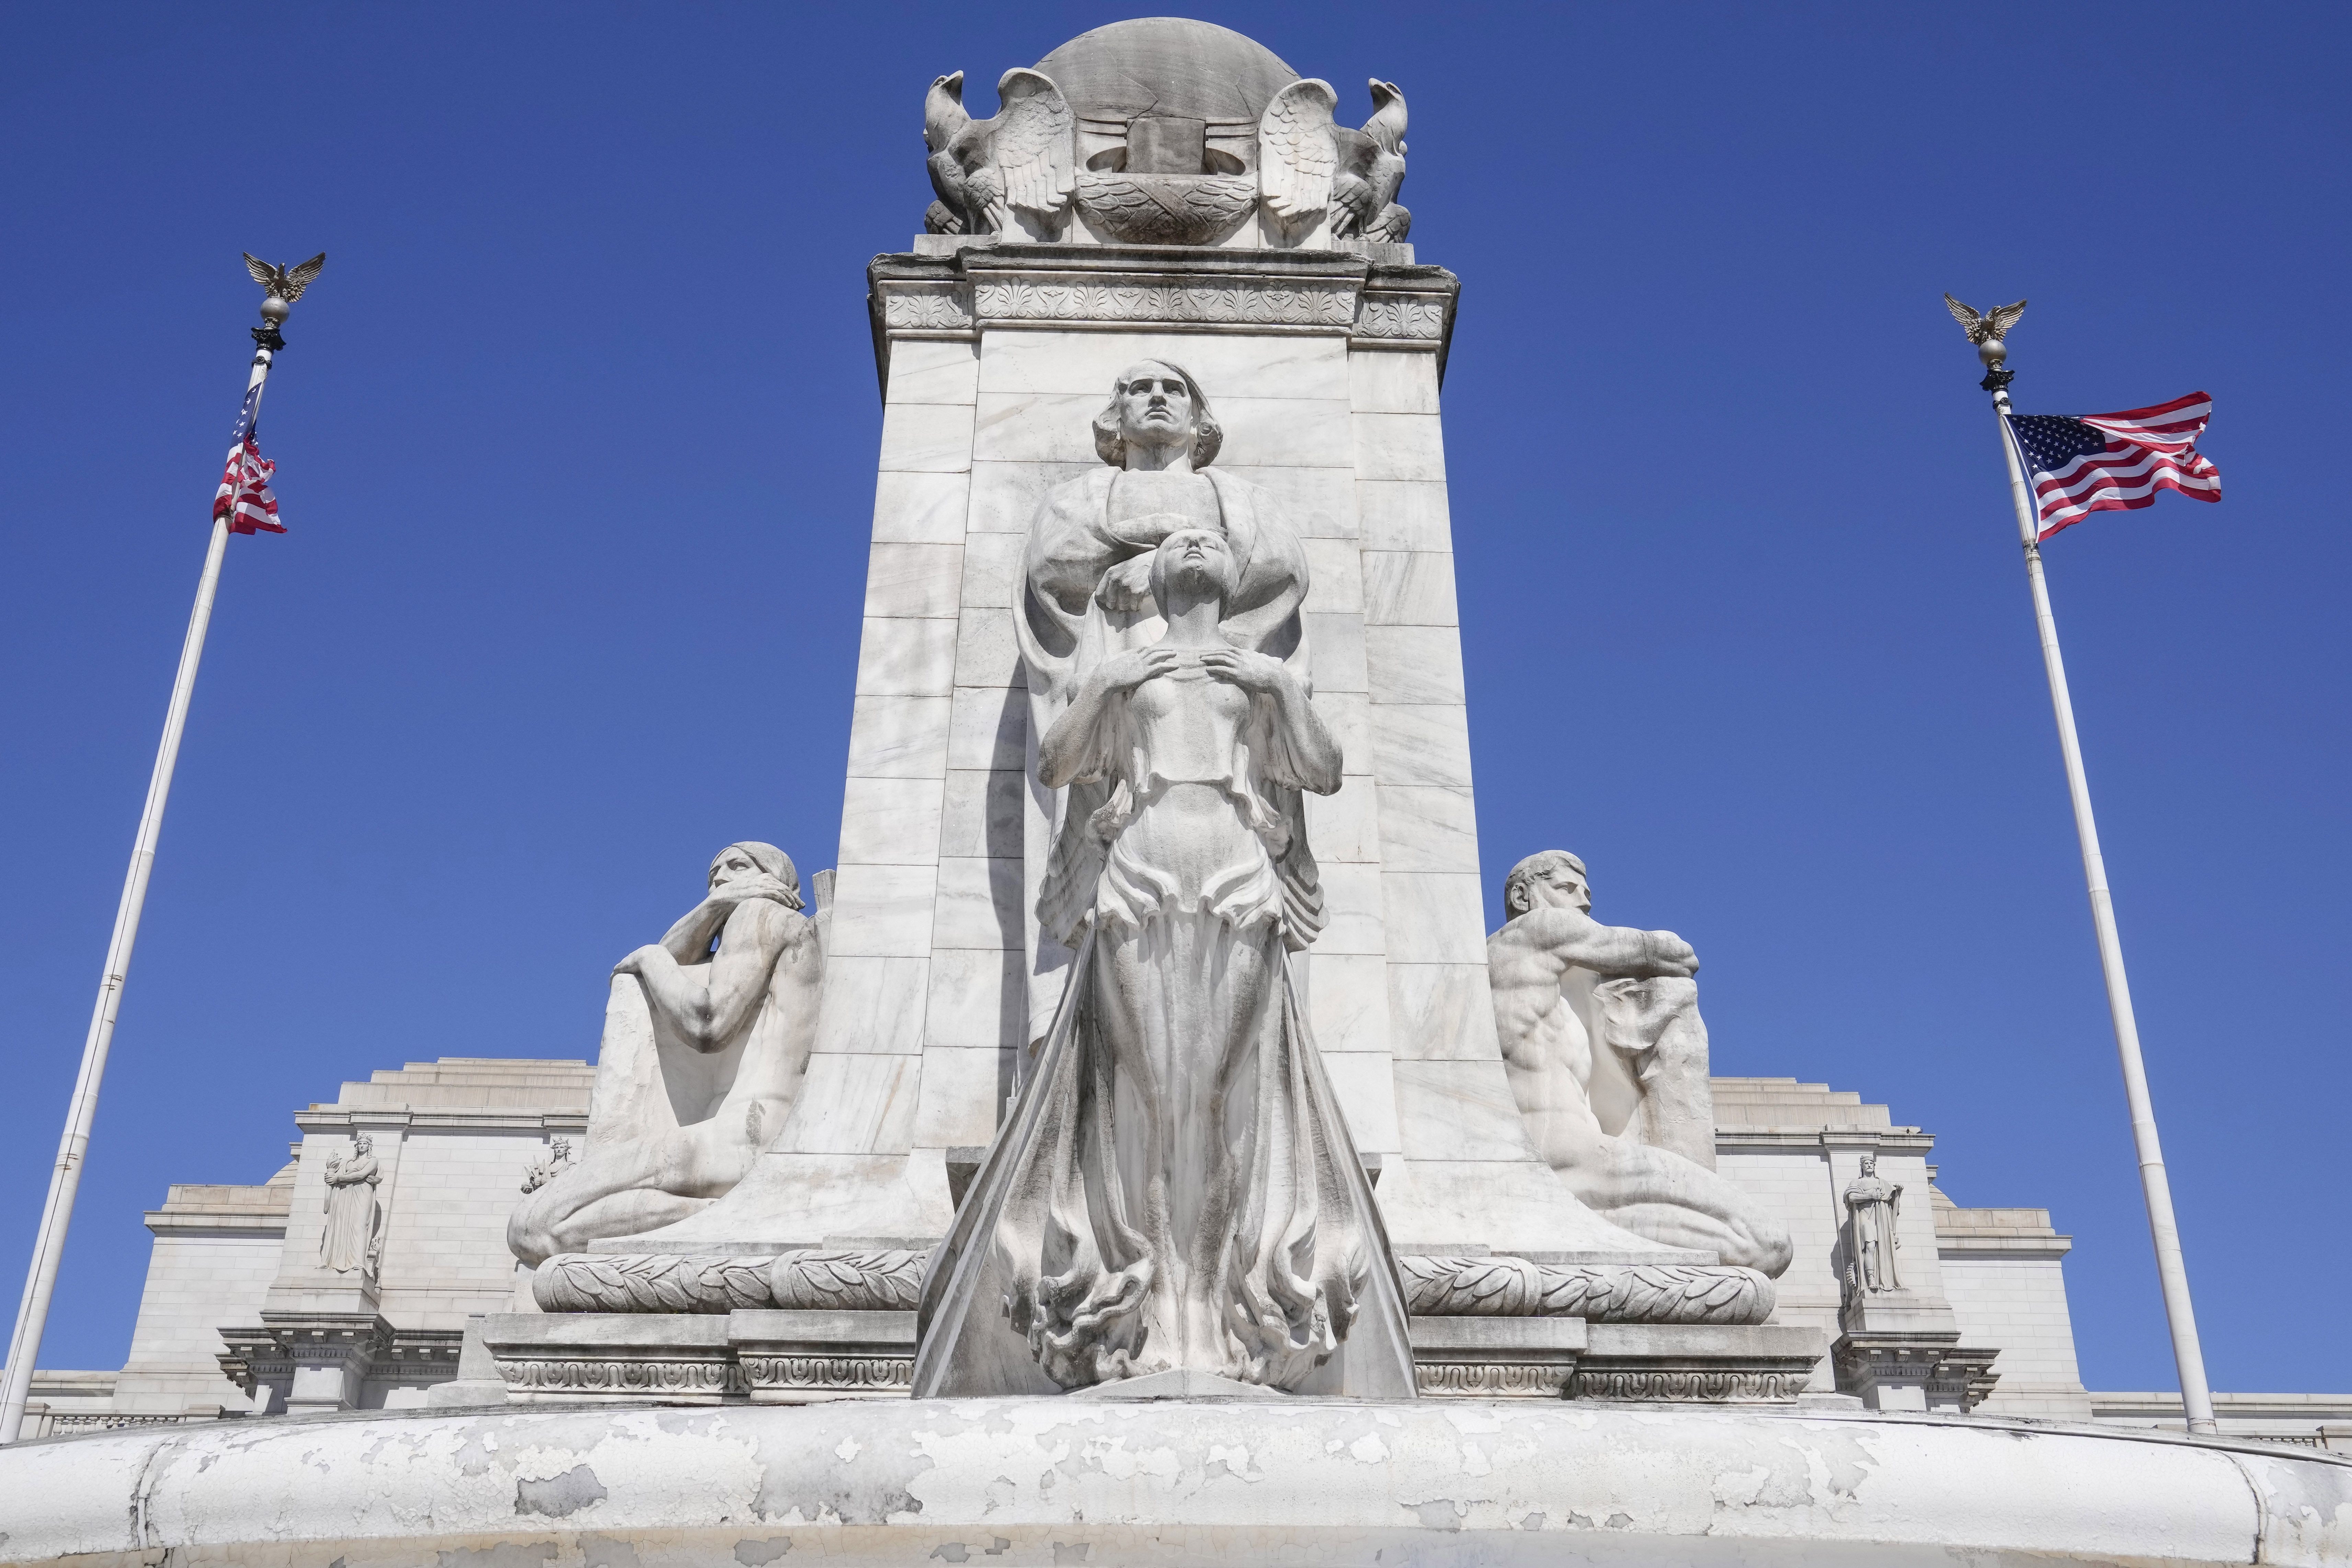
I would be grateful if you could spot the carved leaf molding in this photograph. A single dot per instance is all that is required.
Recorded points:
(1600, 1293)
(882, 1279)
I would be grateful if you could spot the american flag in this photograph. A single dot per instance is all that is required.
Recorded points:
(2111, 462)
(244, 497)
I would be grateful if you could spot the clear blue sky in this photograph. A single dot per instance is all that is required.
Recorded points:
(576, 440)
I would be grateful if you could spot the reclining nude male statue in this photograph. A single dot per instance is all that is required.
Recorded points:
(1607, 1057)
(1175, 1191)
(705, 1039)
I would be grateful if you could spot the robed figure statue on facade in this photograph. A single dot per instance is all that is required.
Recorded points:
(1176, 1190)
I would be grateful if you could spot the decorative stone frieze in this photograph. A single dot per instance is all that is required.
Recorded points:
(870, 1279)
(1495, 1357)
(976, 288)
(695, 1381)
(1691, 1384)
(1601, 1293)
(927, 309)
(768, 1357)
(1697, 1364)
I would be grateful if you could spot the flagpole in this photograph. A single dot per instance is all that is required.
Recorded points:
(65, 1178)
(2172, 1271)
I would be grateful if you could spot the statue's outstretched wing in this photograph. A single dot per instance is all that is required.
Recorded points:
(1295, 155)
(1966, 315)
(263, 273)
(2002, 318)
(298, 278)
(1034, 144)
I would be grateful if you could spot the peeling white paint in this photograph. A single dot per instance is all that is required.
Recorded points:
(1024, 1483)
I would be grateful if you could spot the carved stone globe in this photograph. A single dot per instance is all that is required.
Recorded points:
(1168, 114)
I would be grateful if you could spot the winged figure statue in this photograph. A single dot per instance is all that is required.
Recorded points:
(285, 283)
(1370, 171)
(1992, 326)
(1295, 153)
(1024, 159)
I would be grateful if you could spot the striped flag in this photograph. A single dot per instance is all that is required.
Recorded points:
(244, 497)
(2115, 462)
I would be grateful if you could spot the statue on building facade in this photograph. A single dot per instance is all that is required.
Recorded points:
(541, 1172)
(705, 1039)
(1607, 1059)
(1870, 1204)
(1176, 1189)
(351, 1241)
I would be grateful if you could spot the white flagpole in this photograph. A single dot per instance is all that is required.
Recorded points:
(65, 1180)
(2196, 1398)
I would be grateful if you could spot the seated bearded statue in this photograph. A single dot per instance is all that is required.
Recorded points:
(707, 1036)
(1607, 1059)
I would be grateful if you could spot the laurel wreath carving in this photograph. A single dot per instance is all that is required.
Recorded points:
(1599, 1293)
(880, 1279)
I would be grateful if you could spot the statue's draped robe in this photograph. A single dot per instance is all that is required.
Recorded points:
(351, 1214)
(1176, 1187)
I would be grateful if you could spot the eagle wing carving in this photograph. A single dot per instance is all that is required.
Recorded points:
(1295, 158)
(1034, 144)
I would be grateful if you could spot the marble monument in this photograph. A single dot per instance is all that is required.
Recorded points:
(1146, 1136)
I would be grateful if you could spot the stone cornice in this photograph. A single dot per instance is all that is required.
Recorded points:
(1087, 288)
(1898, 1140)
(2004, 1246)
(347, 1118)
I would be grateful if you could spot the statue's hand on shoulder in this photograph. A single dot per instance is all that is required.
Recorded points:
(1126, 587)
(1256, 673)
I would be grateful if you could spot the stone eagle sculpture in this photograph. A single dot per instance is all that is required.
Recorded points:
(1371, 170)
(1308, 164)
(1024, 159)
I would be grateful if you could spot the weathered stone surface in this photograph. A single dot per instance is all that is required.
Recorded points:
(1037, 1482)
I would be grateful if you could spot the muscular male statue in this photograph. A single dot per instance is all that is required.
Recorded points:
(705, 1039)
(1607, 1059)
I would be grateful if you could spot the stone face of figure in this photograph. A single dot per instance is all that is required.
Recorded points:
(349, 1242)
(1176, 1188)
(706, 1040)
(1596, 1020)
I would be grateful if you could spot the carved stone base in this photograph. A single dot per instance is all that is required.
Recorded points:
(1495, 1357)
(1697, 1364)
(608, 1357)
(801, 1357)
(759, 1357)
(1498, 1357)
